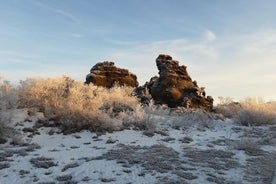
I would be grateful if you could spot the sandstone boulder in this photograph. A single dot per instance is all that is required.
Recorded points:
(106, 74)
(175, 87)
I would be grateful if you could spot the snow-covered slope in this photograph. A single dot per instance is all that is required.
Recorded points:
(223, 152)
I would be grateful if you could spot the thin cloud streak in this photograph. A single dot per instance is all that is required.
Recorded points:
(58, 11)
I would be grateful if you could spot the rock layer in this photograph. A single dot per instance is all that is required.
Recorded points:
(106, 74)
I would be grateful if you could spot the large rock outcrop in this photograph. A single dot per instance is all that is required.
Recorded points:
(175, 87)
(106, 74)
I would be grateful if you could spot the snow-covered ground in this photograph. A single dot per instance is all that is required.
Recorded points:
(223, 152)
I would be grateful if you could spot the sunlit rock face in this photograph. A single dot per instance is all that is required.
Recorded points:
(106, 74)
(175, 87)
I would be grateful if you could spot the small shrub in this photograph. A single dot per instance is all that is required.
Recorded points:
(4, 165)
(65, 178)
(228, 110)
(5, 131)
(246, 144)
(8, 95)
(186, 118)
(107, 180)
(43, 162)
(177, 117)
(70, 165)
(225, 100)
(2, 125)
(8, 100)
(24, 172)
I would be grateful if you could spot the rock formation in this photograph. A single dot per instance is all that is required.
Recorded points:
(106, 74)
(175, 87)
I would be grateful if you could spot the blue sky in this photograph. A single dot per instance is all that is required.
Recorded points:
(228, 46)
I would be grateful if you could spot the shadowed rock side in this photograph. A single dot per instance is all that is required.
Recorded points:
(106, 74)
(175, 87)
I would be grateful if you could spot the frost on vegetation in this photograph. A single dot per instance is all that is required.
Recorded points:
(179, 117)
(227, 107)
(8, 100)
(77, 106)
(8, 95)
(256, 112)
(249, 145)
(4, 165)
(70, 165)
(191, 117)
(43, 162)
(2, 126)
(250, 111)
(5, 130)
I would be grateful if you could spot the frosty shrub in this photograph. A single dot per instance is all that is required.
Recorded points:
(8, 94)
(227, 107)
(256, 112)
(244, 143)
(5, 129)
(250, 111)
(192, 118)
(2, 126)
(8, 100)
(179, 117)
(76, 106)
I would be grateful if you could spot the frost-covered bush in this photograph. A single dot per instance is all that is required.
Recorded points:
(179, 117)
(5, 128)
(8, 99)
(76, 106)
(228, 110)
(193, 118)
(256, 112)
(2, 126)
(8, 95)
(250, 111)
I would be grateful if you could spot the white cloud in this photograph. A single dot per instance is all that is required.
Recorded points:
(209, 36)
